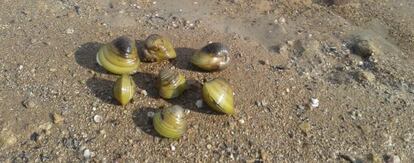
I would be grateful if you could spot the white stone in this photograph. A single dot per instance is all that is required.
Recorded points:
(199, 103)
(150, 114)
(144, 92)
(97, 118)
(87, 154)
(187, 111)
(70, 31)
(314, 103)
(282, 20)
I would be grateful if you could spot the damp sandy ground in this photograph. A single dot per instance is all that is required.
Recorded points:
(284, 53)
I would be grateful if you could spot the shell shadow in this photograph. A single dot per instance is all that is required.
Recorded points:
(183, 60)
(99, 87)
(147, 82)
(141, 120)
(190, 97)
(85, 56)
(140, 48)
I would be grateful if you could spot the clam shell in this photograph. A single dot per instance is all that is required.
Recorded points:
(158, 48)
(172, 83)
(119, 57)
(124, 89)
(212, 57)
(218, 95)
(170, 122)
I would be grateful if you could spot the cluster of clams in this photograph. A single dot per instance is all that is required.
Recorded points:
(121, 57)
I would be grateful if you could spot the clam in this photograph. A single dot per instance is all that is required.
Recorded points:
(158, 48)
(124, 89)
(170, 122)
(218, 95)
(172, 83)
(212, 57)
(119, 56)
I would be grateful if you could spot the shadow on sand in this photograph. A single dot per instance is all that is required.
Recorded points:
(85, 56)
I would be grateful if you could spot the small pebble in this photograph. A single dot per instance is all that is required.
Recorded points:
(347, 157)
(150, 114)
(375, 158)
(241, 121)
(264, 62)
(366, 76)
(187, 111)
(29, 104)
(144, 92)
(87, 154)
(70, 31)
(258, 103)
(390, 158)
(33, 40)
(199, 103)
(52, 70)
(282, 20)
(20, 67)
(290, 42)
(314, 103)
(172, 147)
(305, 127)
(57, 118)
(7, 138)
(35, 136)
(264, 102)
(209, 146)
(97, 118)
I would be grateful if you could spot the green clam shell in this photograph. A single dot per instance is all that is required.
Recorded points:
(218, 95)
(172, 84)
(158, 48)
(212, 57)
(115, 61)
(170, 122)
(124, 89)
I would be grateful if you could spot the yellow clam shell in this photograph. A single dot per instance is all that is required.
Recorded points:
(172, 83)
(119, 56)
(170, 122)
(212, 57)
(218, 95)
(124, 89)
(158, 48)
